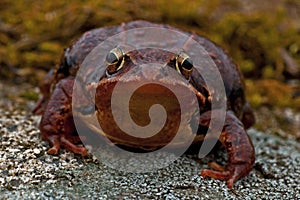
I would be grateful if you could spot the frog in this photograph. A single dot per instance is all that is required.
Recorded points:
(57, 121)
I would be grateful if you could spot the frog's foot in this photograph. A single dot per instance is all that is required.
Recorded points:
(57, 124)
(57, 142)
(241, 153)
(230, 173)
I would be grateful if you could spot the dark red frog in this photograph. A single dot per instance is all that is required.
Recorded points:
(57, 125)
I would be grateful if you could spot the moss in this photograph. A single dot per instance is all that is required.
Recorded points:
(270, 92)
(33, 34)
(30, 95)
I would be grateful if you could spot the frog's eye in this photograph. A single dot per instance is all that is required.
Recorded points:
(184, 64)
(115, 60)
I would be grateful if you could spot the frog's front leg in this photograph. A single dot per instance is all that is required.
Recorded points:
(241, 153)
(57, 125)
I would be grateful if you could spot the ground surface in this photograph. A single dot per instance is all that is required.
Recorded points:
(27, 172)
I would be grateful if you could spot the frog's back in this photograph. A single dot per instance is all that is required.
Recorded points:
(232, 78)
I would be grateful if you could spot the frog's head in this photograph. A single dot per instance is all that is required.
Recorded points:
(137, 80)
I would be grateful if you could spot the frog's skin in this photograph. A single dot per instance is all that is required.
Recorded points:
(57, 125)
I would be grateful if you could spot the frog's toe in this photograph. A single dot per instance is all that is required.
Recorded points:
(72, 147)
(221, 175)
(231, 173)
(55, 142)
(53, 150)
(218, 172)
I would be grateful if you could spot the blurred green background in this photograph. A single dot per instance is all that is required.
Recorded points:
(263, 37)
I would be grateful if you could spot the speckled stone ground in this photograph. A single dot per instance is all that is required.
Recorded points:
(27, 172)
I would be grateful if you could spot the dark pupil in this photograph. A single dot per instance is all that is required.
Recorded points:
(187, 64)
(111, 58)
